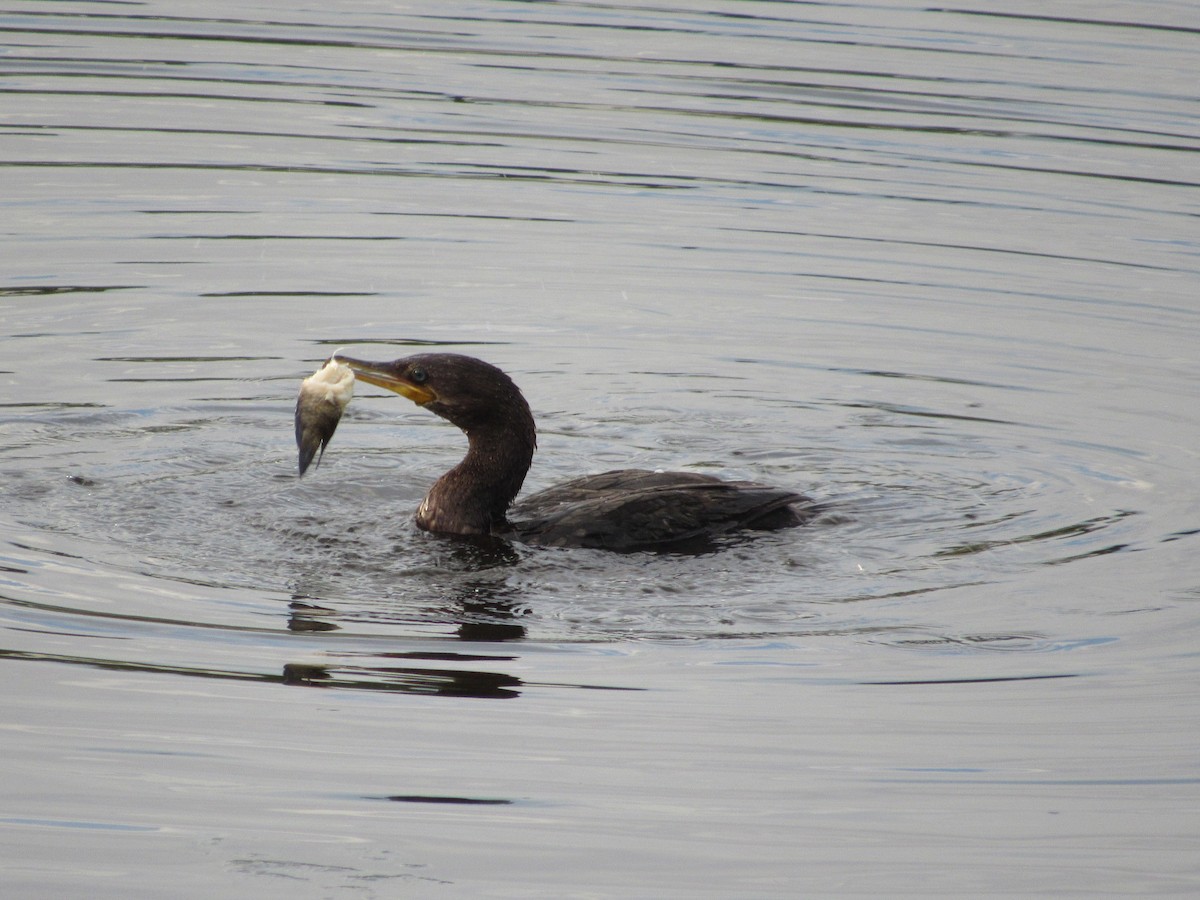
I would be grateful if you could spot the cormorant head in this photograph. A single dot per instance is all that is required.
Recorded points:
(464, 390)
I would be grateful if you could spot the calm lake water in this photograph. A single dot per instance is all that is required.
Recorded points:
(937, 266)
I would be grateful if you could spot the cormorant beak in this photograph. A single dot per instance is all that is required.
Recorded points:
(387, 375)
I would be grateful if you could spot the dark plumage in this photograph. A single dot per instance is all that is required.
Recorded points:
(622, 510)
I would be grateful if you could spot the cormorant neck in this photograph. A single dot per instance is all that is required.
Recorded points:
(473, 497)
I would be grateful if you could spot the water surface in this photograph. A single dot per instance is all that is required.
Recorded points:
(936, 267)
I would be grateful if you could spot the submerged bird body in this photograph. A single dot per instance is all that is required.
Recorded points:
(621, 510)
(631, 509)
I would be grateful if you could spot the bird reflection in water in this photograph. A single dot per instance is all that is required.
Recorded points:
(483, 608)
(408, 679)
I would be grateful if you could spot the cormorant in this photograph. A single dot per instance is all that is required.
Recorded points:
(627, 509)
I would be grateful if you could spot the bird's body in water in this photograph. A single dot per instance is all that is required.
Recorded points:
(621, 510)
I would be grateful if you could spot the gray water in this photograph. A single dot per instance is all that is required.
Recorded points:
(935, 266)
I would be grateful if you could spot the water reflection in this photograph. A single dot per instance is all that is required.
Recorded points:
(481, 608)
(453, 801)
(485, 614)
(1072, 530)
(425, 680)
(406, 680)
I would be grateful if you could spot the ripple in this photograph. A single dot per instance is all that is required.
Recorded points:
(933, 266)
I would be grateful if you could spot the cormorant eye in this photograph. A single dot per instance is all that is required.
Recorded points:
(418, 376)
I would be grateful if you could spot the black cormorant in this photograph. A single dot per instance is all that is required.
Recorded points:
(626, 509)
